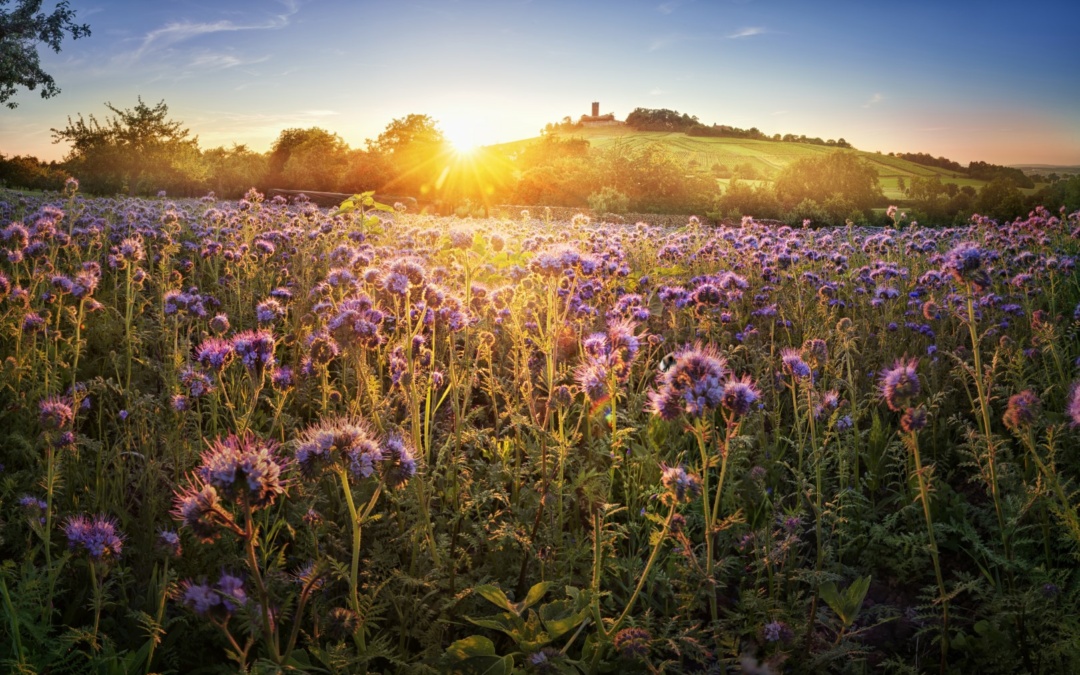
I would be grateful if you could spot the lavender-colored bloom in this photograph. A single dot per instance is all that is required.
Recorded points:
(693, 384)
(255, 348)
(179, 402)
(245, 468)
(1022, 410)
(198, 383)
(199, 508)
(633, 643)
(35, 507)
(399, 461)
(200, 598)
(964, 263)
(269, 311)
(98, 536)
(55, 413)
(32, 323)
(740, 396)
(169, 542)
(682, 487)
(220, 324)
(339, 442)
(231, 590)
(322, 347)
(794, 365)
(592, 376)
(777, 631)
(1072, 409)
(899, 385)
(913, 420)
(815, 352)
(281, 378)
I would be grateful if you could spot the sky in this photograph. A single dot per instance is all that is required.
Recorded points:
(967, 80)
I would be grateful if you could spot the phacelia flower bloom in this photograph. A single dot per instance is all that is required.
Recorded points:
(200, 509)
(592, 376)
(169, 542)
(199, 598)
(220, 324)
(777, 631)
(269, 311)
(1021, 411)
(740, 396)
(1072, 409)
(682, 487)
(281, 378)
(98, 536)
(255, 348)
(198, 383)
(913, 420)
(815, 352)
(399, 461)
(338, 442)
(231, 590)
(633, 643)
(322, 347)
(964, 263)
(32, 323)
(245, 468)
(794, 365)
(693, 384)
(55, 413)
(899, 385)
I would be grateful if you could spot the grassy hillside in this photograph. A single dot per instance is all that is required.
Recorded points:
(766, 157)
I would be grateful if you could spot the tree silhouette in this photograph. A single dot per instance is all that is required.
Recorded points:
(21, 29)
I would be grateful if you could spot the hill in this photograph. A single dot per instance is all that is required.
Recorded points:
(766, 158)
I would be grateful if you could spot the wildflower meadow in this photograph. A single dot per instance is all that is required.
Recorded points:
(263, 436)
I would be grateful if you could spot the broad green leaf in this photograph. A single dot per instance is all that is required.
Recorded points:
(495, 596)
(474, 645)
(508, 623)
(534, 595)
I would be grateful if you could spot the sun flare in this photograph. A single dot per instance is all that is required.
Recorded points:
(464, 136)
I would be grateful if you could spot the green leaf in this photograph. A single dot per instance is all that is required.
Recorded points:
(495, 596)
(559, 618)
(535, 594)
(474, 645)
(508, 623)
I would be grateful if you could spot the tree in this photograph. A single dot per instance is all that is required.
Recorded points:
(137, 150)
(21, 29)
(417, 151)
(233, 171)
(837, 174)
(308, 159)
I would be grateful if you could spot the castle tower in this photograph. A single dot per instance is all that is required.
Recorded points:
(596, 109)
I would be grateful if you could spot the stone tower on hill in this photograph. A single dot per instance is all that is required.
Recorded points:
(598, 120)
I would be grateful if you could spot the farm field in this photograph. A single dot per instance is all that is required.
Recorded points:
(766, 157)
(262, 436)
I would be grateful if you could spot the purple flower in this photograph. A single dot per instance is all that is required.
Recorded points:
(899, 385)
(399, 461)
(269, 311)
(245, 468)
(169, 542)
(231, 590)
(1021, 411)
(740, 395)
(220, 324)
(199, 508)
(338, 442)
(55, 413)
(1072, 409)
(777, 631)
(693, 384)
(682, 487)
(964, 263)
(98, 536)
(913, 420)
(633, 643)
(200, 598)
(793, 363)
(255, 348)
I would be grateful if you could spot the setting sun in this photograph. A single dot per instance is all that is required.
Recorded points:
(464, 135)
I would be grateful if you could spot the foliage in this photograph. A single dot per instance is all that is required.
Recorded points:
(838, 174)
(21, 30)
(137, 150)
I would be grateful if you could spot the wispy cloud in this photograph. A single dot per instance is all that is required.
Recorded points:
(874, 100)
(662, 41)
(180, 31)
(219, 61)
(749, 31)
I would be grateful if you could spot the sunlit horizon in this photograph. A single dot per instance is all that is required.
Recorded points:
(931, 78)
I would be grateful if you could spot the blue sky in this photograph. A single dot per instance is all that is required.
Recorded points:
(993, 81)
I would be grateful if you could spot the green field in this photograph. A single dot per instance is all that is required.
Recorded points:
(766, 157)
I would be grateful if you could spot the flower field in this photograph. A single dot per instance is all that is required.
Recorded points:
(264, 436)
